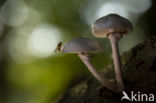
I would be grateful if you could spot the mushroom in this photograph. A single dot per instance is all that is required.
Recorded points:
(83, 46)
(114, 27)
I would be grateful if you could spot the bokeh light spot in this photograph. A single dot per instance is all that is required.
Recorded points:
(15, 45)
(126, 8)
(14, 12)
(43, 40)
(137, 6)
(112, 7)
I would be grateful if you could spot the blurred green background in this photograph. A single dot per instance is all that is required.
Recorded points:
(30, 70)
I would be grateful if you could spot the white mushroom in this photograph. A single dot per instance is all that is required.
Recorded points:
(114, 27)
(83, 46)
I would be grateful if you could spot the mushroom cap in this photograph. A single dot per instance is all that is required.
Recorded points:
(81, 45)
(110, 24)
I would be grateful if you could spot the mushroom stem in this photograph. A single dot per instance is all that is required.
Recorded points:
(114, 43)
(86, 60)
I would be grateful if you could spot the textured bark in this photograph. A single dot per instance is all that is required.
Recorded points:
(139, 75)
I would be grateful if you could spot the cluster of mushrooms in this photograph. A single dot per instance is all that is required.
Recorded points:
(113, 27)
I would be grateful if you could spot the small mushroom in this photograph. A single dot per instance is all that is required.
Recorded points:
(114, 27)
(83, 46)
